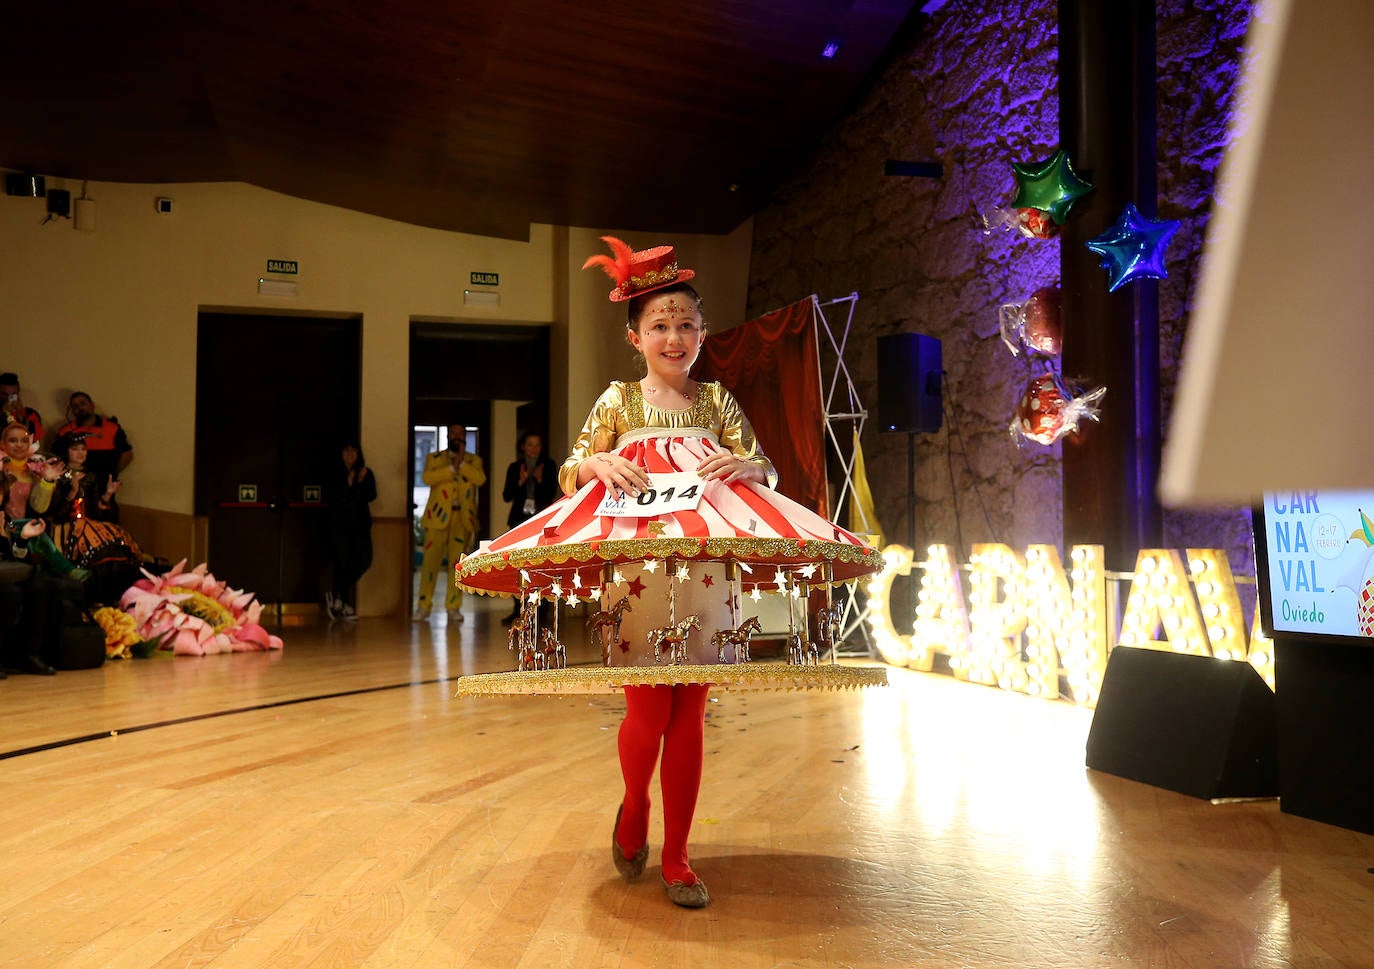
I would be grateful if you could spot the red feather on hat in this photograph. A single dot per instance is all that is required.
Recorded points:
(619, 267)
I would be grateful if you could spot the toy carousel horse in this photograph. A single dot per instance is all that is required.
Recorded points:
(674, 636)
(738, 638)
(827, 630)
(800, 652)
(598, 623)
(552, 654)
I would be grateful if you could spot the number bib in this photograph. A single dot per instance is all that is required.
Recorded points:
(676, 491)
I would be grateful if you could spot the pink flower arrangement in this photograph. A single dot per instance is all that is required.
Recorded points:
(192, 613)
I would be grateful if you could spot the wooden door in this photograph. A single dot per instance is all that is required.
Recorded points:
(276, 400)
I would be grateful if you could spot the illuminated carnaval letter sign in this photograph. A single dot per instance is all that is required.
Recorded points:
(1026, 620)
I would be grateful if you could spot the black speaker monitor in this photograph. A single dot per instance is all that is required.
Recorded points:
(910, 368)
(1192, 724)
(28, 186)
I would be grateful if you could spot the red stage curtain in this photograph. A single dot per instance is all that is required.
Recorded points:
(770, 365)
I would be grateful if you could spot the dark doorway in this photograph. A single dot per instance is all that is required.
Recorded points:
(456, 373)
(276, 399)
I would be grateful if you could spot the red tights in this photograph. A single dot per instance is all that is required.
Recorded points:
(673, 718)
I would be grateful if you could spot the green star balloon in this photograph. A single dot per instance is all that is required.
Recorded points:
(1051, 186)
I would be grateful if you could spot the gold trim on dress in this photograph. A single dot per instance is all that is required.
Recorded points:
(740, 677)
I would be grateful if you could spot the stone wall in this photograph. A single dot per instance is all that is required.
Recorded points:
(976, 90)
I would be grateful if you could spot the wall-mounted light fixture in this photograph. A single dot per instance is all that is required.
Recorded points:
(276, 287)
(479, 297)
(84, 211)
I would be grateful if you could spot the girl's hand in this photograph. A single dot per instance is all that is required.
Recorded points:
(726, 467)
(620, 475)
(52, 469)
(111, 488)
(33, 529)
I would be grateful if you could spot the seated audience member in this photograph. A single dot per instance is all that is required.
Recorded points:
(82, 523)
(30, 479)
(109, 449)
(30, 599)
(15, 411)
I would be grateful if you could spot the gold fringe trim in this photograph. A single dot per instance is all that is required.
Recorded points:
(738, 677)
(755, 551)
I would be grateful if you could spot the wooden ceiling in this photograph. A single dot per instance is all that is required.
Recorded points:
(472, 117)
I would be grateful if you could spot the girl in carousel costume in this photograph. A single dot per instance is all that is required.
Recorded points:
(677, 563)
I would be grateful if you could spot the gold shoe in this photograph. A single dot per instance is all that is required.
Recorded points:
(688, 896)
(629, 868)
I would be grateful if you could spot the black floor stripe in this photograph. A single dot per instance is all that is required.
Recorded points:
(87, 738)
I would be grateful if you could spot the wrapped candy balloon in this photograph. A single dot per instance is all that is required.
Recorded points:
(1036, 325)
(1051, 408)
(1031, 223)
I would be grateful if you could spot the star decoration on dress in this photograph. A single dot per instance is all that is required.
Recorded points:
(755, 594)
(682, 574)
(808, 570)
(624, 645)
(1051, 186)
(1133, 248)
(636, 588)
(533, 596)
(618, 577)
(656, 528)
(651, 566)
(577, 580)
(780, 580)
(746, 568)
(796, 591)
(595, 594)
(571, 598)
(708, 580)
(556, 589)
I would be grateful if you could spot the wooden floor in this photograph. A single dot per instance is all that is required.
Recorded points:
(333, 806)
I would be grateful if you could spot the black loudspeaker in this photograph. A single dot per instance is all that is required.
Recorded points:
(59, 203)
(29, 186)
(80, 647)
(909, 372)
(1191, 724)
(1326, 733)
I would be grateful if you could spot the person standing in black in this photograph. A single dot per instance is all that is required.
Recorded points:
(350, 531)
(531, 486)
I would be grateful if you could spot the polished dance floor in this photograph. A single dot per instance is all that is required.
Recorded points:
(334, 806)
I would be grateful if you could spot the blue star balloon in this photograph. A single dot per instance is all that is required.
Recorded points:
(1134, 247)
(1050, 186)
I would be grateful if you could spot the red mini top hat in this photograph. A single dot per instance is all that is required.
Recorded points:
(637, 273)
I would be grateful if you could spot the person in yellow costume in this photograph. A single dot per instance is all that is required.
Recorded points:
(450, 520)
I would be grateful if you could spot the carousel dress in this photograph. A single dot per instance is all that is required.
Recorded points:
(699, 564)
